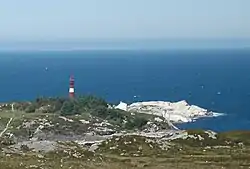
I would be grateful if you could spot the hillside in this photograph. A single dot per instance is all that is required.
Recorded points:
(88, 132)
(67, 119)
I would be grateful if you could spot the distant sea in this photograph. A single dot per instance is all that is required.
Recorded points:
(218, 80)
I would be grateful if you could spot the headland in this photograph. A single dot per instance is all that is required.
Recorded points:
(88, 132)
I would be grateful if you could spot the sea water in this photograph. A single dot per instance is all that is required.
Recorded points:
(218, 80)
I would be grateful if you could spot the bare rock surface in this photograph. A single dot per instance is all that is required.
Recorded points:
(176, 112)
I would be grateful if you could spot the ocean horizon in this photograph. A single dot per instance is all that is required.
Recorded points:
(217, 79)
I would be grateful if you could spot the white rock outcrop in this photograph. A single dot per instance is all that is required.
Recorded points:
(176, 112)
(122, 106)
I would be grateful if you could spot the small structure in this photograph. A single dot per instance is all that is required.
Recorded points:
(122, 106)
(71, 87)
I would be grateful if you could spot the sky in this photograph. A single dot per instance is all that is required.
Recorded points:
(90, 20)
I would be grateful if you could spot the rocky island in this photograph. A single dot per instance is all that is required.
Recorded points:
(88, 132)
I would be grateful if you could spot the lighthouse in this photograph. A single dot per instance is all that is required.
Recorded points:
(71, 87)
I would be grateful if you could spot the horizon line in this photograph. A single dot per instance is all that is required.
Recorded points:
(124, 39)
(154, 44)
(123, 49)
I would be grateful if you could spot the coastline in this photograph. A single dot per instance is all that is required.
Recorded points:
(175, 112)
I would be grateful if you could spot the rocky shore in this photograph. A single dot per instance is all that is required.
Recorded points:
(175, 112)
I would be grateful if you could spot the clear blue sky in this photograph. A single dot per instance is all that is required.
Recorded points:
(45, 20)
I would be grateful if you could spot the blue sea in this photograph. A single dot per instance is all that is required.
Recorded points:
(218, 80)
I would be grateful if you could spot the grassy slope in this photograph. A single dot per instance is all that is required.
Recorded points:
(136, 152)
(226, 151)
(191, 158)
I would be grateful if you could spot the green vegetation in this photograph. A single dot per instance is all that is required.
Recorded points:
(69, 107)
(132, 152)
(130, 146)
(196, 149)
(83, 105)
(232, 138)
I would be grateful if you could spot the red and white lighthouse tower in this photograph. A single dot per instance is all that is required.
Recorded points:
(71, 87)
